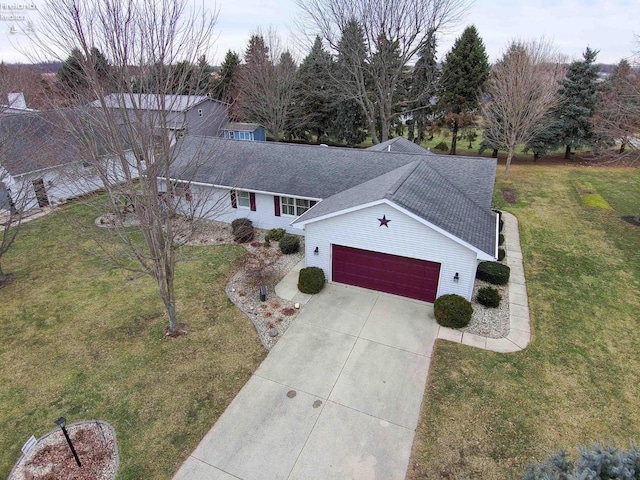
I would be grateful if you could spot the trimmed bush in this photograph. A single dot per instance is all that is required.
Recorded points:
(501, 254)
(489, 297)
(275, 234)
(452, 311)
(311, 280)
(501, 239)
(442, 146)
(501, 224)
(244, 234)
(493, 272)
(289, 244)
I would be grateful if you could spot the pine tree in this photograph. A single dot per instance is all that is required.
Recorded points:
(578, 99)
(423, 90)
(465, 70)
(314, 95)
(223, 86)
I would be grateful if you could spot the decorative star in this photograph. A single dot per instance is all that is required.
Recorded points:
(384, 221)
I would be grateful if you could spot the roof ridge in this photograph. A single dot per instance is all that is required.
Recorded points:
(394, 188)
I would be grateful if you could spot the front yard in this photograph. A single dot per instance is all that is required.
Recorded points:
(85, 342)
(487, 415)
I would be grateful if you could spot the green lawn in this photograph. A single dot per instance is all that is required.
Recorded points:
(84, 341)
(487, 415)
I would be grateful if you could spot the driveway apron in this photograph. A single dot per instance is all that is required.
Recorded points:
(338, 397)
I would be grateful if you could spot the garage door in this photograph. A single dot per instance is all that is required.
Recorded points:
(403, 276)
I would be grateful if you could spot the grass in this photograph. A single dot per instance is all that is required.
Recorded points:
(84, 341)
(488, 415)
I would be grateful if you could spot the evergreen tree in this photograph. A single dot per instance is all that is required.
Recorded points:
(423, 90)
(223, 87)
(314, 96)
(72, 75)
(465, 70)
(387, 78)
(578, 99)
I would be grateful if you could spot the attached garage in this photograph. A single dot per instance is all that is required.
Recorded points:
(408, 277)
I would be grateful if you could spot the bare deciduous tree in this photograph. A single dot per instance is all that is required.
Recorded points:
(266, 83)
(128, 138)
(521, 91)
(394, 33)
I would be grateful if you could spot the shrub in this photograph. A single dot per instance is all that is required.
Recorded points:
(489, 297)
(311, 280)
(240, 222)
(244, 234)
(493, 272)
(501, 254)
(275, 234)
(442, 146)
(501, 239)
(501, 224)
(452, 311)
(289, 244)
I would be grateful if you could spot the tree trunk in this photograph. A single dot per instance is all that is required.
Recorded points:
(454, 138)
(567, 152)
(511, 152)
(494, 154)
(622, 147)
(3, 277)
(536, 156)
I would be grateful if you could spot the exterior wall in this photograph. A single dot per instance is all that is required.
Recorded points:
(215, 204)
(258, 135)
(405, 237)
(214, 117)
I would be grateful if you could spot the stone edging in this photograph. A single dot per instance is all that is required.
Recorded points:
(519, 319)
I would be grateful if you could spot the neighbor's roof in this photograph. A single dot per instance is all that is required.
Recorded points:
(152, 101)
(36, 141)
(422, 190)
(241, 126)
(399, 145)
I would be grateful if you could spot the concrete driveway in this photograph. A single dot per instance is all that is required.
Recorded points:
(337, 398)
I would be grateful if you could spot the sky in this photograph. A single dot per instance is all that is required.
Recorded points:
(610, 26)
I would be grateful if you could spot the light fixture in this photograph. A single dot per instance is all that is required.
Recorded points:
(316, 251)
(61, 422)
(456, 277)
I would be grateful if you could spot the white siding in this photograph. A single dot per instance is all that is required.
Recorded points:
(215, 204)
(405, 237)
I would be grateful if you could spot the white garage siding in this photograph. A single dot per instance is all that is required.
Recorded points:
(405, 237)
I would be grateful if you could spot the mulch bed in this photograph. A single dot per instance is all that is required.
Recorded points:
(51, 458)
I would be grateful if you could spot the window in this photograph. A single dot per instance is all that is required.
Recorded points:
(231, 135)
(294, 206)
(244, 136)
(181, 190)
(243, 199)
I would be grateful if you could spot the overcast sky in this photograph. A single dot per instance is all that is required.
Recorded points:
(605, 25)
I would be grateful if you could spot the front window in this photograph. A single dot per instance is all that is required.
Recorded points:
(244, 136)
(294, 206)
(244, 200)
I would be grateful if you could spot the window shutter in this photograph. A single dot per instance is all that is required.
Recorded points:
(252, 201)
(234, 203)
(276, 205)
(312, 203)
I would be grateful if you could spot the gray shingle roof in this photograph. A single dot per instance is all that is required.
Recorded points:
(453, 193)
(241, 126)
(399, 145)
(152, 101)
(35, 141)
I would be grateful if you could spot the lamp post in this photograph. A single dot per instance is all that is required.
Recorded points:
(61, 422)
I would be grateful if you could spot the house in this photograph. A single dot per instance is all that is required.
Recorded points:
(185, 114)
(40, 160)
(244, 131)
(412, 224)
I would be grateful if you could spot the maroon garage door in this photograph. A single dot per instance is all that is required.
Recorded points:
(404, 276)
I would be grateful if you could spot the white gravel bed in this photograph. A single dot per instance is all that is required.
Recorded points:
(272, 317)
(489, 322)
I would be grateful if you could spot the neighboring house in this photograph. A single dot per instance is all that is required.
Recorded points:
(412, 224)
(185, 114)
(244, 131)
(400, 145)
(17, 104)
(40, 160)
